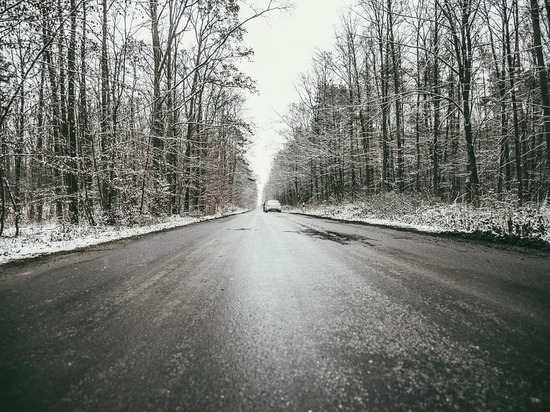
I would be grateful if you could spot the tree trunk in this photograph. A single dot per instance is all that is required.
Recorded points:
(103, 176)
(396, 69)
(72, 180)
(462, 42)
(56, 113)
(543, 78)
(437, 107)
(504, 172)
(512, 79)
(171, 152)
(86, 153)
(385, 117)
(2, 200)
(156, 112)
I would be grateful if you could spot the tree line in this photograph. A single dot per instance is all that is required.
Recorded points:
(113, 109)
(448, 98)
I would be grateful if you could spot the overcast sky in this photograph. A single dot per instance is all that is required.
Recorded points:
(284, 45)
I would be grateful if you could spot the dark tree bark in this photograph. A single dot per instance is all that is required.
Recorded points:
(504, 174)
(156, 112)
(55, 105)
(461, 31)
(396, 75)
(86, 145)
(436, 178)
(543, 77)
(72, 179)
(103, 174)
(510, 58)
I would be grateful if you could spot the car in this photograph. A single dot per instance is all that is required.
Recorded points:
(272, 206)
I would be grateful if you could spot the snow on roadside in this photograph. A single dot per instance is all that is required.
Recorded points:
(43, 239)
(497, 221)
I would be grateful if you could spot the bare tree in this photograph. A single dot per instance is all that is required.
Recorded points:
(542, 74)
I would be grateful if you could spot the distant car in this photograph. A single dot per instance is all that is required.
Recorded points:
(272, 206)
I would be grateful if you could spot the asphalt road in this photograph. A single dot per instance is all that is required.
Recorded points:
(278, 312)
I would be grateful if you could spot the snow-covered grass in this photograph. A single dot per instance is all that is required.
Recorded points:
(493, 220)
(46, 238)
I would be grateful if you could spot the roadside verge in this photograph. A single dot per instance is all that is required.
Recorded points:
(40, 240)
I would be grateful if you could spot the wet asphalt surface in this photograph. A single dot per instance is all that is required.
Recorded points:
(278, 312)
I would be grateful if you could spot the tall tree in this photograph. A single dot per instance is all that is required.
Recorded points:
(461, 23)
(542, 71)
(72, 179)
(396, 70)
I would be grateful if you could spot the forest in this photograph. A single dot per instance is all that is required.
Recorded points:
(445, 99)
(111, 110)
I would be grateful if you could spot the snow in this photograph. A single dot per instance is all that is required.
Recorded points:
(43, 239)
(495, 221)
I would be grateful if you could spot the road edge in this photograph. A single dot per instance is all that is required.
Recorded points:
(486, 238)
(14, 262)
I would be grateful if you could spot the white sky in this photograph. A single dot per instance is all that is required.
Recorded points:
(284, 44)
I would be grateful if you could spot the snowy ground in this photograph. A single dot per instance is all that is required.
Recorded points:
(42, 239)
(527, 225)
